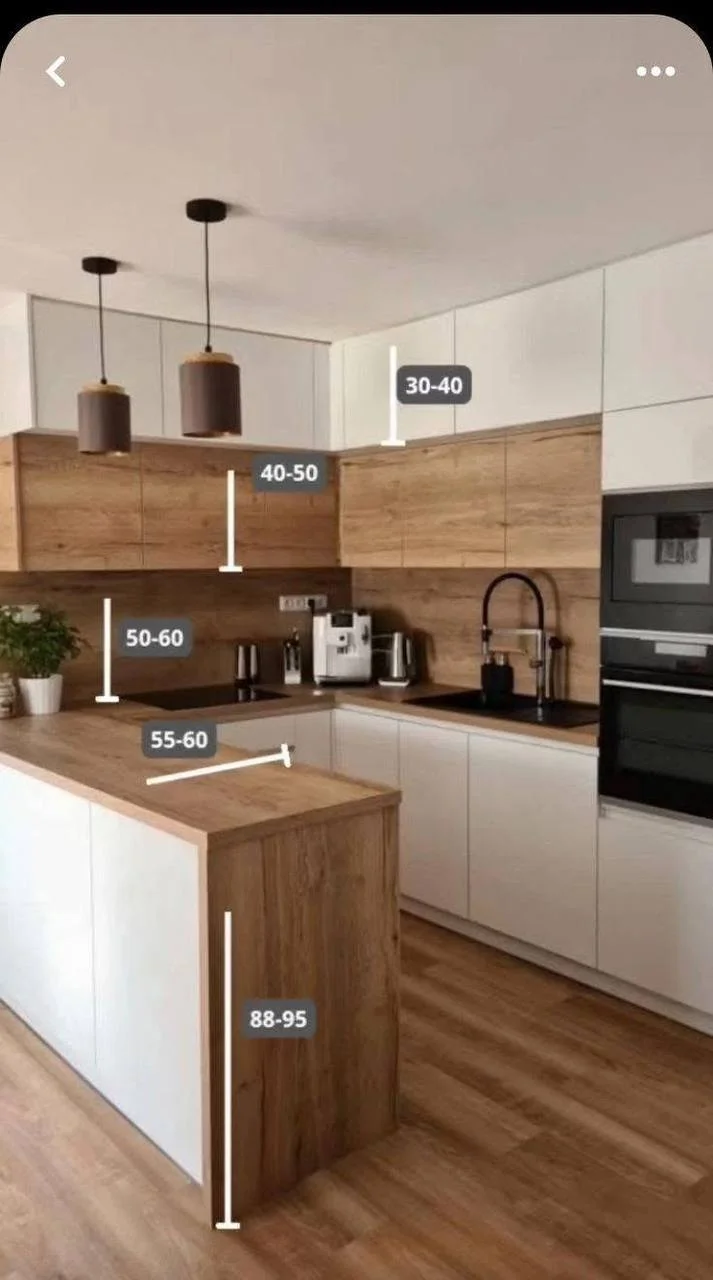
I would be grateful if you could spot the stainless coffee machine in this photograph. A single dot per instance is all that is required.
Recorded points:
(341, 647)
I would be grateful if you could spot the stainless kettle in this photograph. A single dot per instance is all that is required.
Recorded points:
(399, 658)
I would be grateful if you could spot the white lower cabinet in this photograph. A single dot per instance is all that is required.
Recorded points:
(99, 953)
(656, 905)
(46, 914)
(433, 768)
(313, 739)
(147, 981)
(310, 733)
(533, 834)
(265, 733)
(366, 746)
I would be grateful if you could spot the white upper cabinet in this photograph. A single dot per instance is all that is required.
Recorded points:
(535, 356)
(658, 324)
(366, 382)
(533, 841)
(277, 383)
(664, 446)
(65, 340)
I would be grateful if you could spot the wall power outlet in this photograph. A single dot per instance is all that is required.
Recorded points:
(301, 604)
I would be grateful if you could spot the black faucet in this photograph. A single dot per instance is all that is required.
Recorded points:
(486, 631)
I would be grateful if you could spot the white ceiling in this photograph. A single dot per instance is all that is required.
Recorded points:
(388, 166)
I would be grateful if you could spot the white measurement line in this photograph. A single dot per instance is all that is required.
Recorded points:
(393, 439)
(227, 1223)
(283, 754)
(106, 695)
(230, 566)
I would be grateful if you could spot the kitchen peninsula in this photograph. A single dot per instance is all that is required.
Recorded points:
(111, 944)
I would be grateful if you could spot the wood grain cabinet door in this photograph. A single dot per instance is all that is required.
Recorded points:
(453, 505)
(76, 511)
(370, 521)
(293, 530)
(184, 505)
(553, 500)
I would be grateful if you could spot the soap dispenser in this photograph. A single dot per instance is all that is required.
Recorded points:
(497, 680)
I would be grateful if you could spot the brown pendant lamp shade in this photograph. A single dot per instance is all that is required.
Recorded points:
(103, 408)
(209, 381)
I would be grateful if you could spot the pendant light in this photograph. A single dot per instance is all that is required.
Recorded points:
(104, 409)
(210, 380)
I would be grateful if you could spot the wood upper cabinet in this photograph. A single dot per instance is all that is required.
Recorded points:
(299, 530)
(75, 511)
(184, 504)
(453, 505)
(185, 514)
(370, 515)
(553, 504)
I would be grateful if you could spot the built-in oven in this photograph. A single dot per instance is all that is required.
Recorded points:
(657, 561)
(656, 727)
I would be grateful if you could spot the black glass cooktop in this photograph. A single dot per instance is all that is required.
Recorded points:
(209, 695)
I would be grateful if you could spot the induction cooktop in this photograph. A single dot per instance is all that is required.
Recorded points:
(210, 695)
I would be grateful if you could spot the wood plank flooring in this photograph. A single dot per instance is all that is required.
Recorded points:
(548, 1133)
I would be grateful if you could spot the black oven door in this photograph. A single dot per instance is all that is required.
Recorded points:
(657, 561)
(656, 741)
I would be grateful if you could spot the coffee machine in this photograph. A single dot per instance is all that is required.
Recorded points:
(341, 647)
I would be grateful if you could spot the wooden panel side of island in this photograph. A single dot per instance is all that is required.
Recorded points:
(314, 916)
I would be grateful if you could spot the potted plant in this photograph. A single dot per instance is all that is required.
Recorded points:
(36, 642)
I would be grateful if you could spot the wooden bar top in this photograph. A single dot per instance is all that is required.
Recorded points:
(99, 756)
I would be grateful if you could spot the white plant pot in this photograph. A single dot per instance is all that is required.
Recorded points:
(41, 697)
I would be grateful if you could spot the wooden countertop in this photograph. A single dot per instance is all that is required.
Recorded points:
(306, 697)
(99, 756)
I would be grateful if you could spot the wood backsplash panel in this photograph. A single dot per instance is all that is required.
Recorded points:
(223, 608)
(443, 608)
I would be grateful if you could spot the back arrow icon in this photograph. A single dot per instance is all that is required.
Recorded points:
(52, 71)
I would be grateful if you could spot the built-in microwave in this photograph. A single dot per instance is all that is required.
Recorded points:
(657, 561)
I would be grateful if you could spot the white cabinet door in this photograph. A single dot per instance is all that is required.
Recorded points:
(313, 739)
(658, 447)
(533, 830)
(433, 765)
(66, 358)
(277, 382)
(265, 733)
(322, 397)
(147, 972)
(658, 322)
(656, 905)
(46, 968)
(366, 746)
(366, 381)
(535, 356)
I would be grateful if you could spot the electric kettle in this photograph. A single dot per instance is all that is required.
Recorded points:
(399, 668)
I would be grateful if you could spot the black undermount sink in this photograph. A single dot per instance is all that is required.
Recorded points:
(521, 707)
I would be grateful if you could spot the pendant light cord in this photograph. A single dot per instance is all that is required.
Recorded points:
(102, 360)
(207, 288)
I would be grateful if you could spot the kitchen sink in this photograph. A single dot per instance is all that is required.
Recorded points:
(522, 707)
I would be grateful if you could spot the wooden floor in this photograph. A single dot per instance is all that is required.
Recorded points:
(548, 1133)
